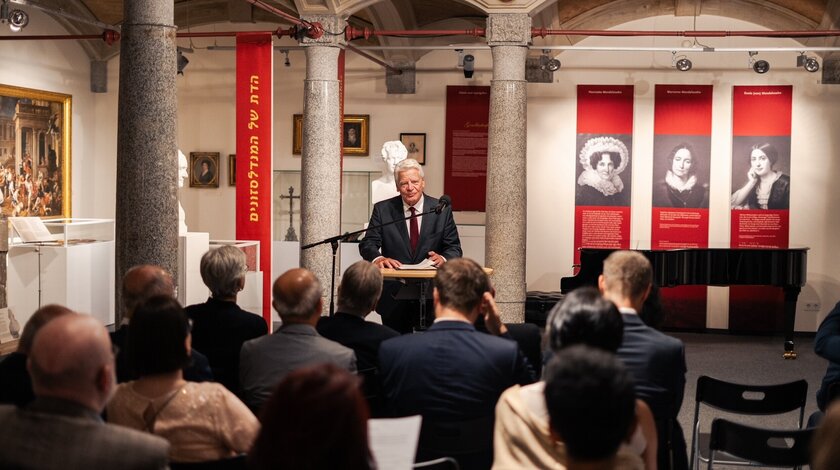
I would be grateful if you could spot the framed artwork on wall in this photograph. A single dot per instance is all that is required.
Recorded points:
(35, 130)
(355, 135)
(204, 169)
(416, 146)
(232, 170)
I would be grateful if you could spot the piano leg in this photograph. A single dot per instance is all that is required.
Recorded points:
(791, 295)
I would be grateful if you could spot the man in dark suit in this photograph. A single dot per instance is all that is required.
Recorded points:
(452, 374)
(219, 325)
(72, 370)
(361, 285)
(433, 236)
(140, 283)
(657, 361)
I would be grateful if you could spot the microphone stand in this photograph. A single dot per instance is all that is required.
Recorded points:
(333, 241)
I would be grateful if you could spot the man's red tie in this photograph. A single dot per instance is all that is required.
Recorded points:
(414, 231)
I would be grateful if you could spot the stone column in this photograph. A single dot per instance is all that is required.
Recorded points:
(508, 36)
(147, 154)
(320, 202)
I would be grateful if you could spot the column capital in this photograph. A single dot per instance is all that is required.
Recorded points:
(508, 29)
(333, 26)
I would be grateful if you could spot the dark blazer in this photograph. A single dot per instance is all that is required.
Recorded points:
(219, 329)
(59, 434)
(451, 373)
(363, 337)
(657, 362)
(15, 383)
(437, 233)
(197, 371)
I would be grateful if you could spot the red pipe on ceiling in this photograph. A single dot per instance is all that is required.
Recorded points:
(543, 32)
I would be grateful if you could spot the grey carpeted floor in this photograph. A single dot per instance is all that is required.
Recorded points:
(747, 359)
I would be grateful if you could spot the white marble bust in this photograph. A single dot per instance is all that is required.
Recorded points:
(182, 173)
(385, 187)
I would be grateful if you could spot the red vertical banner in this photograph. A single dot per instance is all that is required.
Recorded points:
(254, 122)
(603, 167)
(682, 131)
(760, 196)
(467, 121)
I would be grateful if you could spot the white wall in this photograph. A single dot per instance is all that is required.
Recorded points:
(206, 123)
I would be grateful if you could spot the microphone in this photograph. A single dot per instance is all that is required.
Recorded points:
(444, 201)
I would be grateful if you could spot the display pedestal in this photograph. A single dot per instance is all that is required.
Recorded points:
(191, 247)
(75, 270)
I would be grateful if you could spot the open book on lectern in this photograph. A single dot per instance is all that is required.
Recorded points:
(31, 229)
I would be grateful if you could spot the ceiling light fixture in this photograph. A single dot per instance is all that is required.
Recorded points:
(286, 62)
(759, 66)
(182, 62)
(680, 62)
(547, 63)
(808, 63)
(17, 19)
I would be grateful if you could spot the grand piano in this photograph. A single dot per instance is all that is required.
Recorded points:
(785, 268)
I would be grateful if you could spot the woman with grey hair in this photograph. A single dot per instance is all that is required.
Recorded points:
(219, 325)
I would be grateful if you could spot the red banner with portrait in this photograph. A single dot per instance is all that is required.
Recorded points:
(254, 122)
(603, 165)
(760, 195)
(465, 161)
(682, 140)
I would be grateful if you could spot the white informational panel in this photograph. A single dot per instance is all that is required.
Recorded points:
(191, 247)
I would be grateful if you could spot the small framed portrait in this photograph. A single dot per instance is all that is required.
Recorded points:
(204, 169)
(354, 134)
(416, 146)
(232, 170)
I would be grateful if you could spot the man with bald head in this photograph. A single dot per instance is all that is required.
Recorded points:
(140, 283)
(264, 361)
(72, 370)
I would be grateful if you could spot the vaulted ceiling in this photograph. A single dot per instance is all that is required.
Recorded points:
(778, 15)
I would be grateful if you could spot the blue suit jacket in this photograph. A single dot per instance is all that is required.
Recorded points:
(437, 233)
(451, 372)
(657, 362)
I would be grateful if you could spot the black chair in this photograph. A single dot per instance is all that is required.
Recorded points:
(757, 446)
(232, 463)
(443, 463)
(372, 388)
(746, 400)
(470, 442)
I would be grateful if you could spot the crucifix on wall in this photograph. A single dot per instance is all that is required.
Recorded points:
(291, 236)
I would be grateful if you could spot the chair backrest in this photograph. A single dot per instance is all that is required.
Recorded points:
(443, 463)
(761, 446)
(753, 399)
(232, 463)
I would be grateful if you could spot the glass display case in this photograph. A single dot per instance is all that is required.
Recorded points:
(67, 232)
(355, 202)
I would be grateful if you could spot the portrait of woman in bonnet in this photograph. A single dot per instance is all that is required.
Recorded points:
(603, 159)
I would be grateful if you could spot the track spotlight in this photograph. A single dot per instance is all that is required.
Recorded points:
(809, 63)
(469, 65)
(287, 62)
(680, 62)
(182, 62)
(17, 19)
(547, 63)
(759, 66)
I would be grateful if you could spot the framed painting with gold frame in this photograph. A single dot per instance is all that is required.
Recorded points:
(35, 133)
(355, 134)
(232, 169)
(204, 169)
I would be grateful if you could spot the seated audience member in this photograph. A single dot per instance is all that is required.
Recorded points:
(264, 361)
(825, 453)
(15, 383)
(202, 421)
(316, 419)
(655, 360)
(452, 374)
(522, 437)
(591, 406)
(72, 370)
(827, 346)
(139, 284)
(358, 294)
(219, 325)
